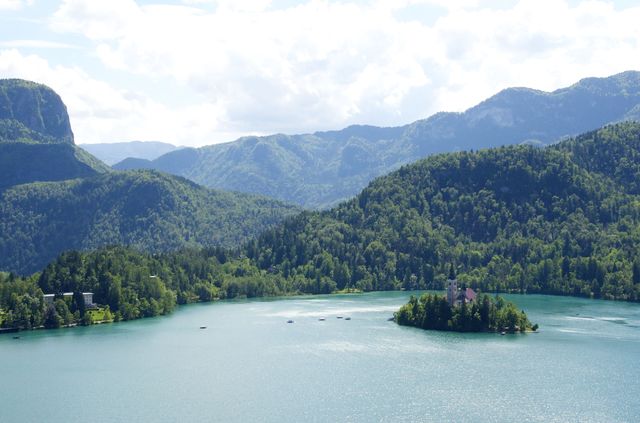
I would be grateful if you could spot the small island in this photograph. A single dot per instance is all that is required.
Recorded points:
(463, 311)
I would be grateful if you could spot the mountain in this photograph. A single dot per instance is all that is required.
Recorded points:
(319, 170)
(54, 196)
(28, 108)
(132, 163)
(564, 219)
(146, 210)
(36, 141)
(112, 153)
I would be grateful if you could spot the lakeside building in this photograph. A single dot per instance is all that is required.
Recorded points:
(87, 296)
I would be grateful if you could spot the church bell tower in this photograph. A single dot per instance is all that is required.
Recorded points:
(452, 287)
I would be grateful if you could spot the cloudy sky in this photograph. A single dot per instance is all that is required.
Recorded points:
(197, 72)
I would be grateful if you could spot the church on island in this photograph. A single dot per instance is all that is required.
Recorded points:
(456, 296)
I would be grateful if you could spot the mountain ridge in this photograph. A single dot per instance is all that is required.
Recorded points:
(326, 167)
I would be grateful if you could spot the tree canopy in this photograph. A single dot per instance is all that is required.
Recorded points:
(556, 220)
(485, 314)
(147, 210)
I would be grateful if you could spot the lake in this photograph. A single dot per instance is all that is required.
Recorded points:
(250, 365)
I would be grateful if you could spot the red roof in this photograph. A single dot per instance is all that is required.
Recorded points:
(470, 294)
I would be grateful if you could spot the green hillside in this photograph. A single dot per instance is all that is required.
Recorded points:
(144, 209)
(54, 196)
(25, 162)
(558, 220)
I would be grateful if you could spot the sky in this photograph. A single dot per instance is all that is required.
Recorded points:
(200, 72)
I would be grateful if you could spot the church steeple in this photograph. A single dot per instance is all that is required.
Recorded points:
(452, 286)
(452, 272)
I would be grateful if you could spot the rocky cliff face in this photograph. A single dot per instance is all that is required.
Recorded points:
(33, 112)
(36, 141)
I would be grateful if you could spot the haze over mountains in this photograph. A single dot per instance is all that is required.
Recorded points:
(115, 152)
(321, 169)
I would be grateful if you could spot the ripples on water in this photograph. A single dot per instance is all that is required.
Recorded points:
(250, 365)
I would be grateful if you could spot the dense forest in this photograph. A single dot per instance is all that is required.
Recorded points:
(485, 314)
(556, 220)
(128, 285)
(26, 162)
(144, 209)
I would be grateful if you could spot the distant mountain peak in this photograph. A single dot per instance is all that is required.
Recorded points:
(624, 83)
(115, 152)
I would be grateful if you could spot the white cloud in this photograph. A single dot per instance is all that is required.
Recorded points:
(97, 19)
(35, 44)
(316, 65)
(98, 112)
(14, 4)
(258, 68)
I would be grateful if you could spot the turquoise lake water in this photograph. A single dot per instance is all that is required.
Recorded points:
(249, 365)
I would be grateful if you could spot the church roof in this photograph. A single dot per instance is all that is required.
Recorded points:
(468, 295)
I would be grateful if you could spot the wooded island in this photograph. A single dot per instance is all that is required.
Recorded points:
(484, 314)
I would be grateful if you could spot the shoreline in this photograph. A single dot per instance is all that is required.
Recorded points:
(276, 297)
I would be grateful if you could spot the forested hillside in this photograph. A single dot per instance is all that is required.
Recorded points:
(144, 209)
(25, 162)
(321, 169)
(559, 220)
(90, 206)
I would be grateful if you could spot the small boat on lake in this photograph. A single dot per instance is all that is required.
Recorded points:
(203, 327)
(289, 321)
(322, 319)
(338, 317)
(347, 318)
